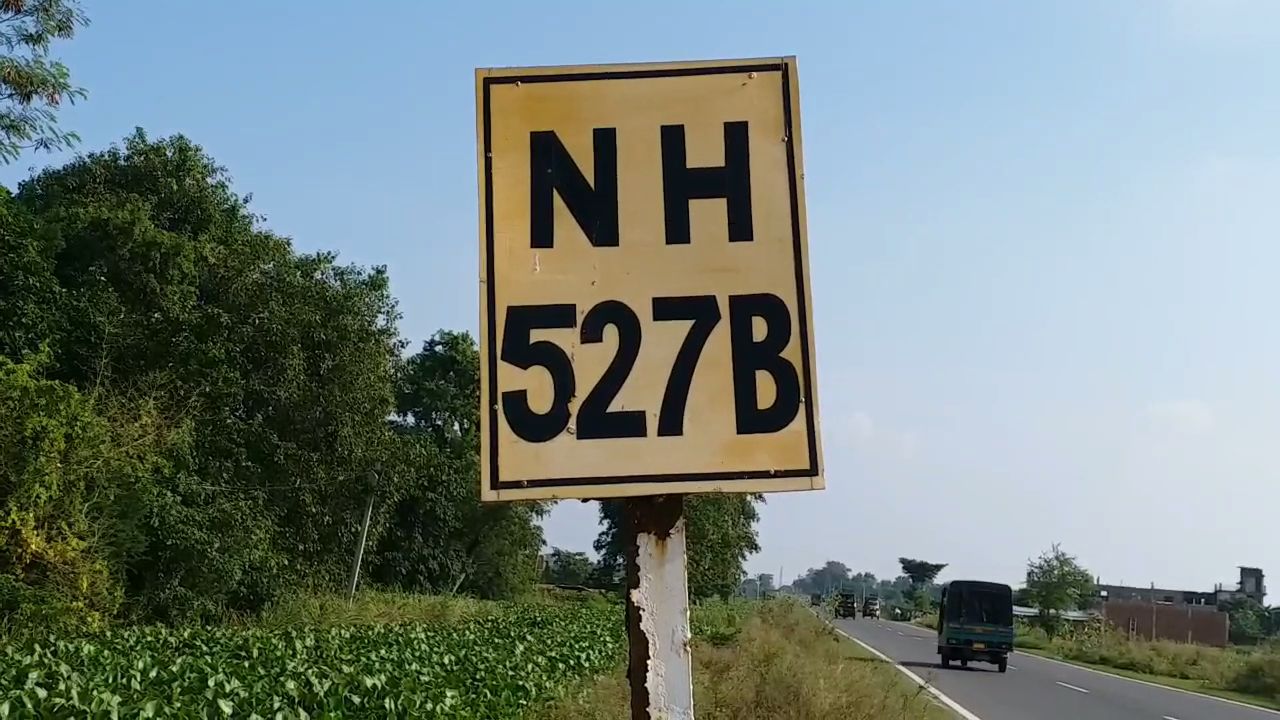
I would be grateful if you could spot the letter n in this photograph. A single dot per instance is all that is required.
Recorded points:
(552, 170)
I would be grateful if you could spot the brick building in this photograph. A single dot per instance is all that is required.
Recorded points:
(1199, 624)
(1191, 616)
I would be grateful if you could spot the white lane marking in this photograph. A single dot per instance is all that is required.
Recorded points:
(942, 698)
(1154, 685)
(902, 633)
(915, 629)
(1170, 717)
(1069, 686)
(1011, 667)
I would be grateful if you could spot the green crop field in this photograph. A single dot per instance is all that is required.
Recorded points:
(492, 666)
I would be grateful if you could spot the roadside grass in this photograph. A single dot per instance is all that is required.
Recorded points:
(1246, 675)
(1195, 686)
(379, 607)
(369, 607)
(770, 661)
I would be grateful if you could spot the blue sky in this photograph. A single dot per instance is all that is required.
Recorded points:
(1043, 238)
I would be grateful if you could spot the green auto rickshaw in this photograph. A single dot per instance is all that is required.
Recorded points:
(975, 622)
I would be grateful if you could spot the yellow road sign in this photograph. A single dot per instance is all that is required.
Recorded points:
(645, 304)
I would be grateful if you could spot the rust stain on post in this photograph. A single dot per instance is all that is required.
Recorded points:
(659, 669)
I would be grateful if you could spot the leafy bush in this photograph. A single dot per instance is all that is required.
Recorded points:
(719, 621)
(1189, 662)
(73, 474)
(1027, 635)
(1260, 675)
(369, 606)
(493, 666)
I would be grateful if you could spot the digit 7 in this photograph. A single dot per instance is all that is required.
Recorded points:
(704, 311)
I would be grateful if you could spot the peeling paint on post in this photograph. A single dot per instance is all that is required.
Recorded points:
(660, 669)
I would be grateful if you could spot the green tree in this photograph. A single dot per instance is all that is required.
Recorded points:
(32, 85)
(893, 592)
(720, 533)
(166, 287)
(921, 573)
(244, 401)
(566, 567)
(919, 596)
(439, 537)
(864, 583)
(29, 292)
(604, 577)
(74, 471)
(1249, 621)
(1056, 582)
(831, 577)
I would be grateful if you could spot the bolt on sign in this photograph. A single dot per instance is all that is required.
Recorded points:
(646, 320)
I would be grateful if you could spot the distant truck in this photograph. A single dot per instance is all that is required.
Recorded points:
(847, 605)
(871, 607)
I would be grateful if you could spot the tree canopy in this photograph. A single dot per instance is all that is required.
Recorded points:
(831, 576)
(1249, 622)
(921, 572)
(439, 537)
(567, 567)
(33, 85)
(1056, 582)
(242, 400)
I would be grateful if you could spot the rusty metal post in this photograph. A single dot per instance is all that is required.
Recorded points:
(659, 668)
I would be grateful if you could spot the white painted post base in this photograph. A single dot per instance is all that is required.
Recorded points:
(661, 667)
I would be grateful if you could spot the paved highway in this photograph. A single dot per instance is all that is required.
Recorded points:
(1039, 689)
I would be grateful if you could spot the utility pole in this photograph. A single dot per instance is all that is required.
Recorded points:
(1153, 612)
(371, 477)
(659, 667)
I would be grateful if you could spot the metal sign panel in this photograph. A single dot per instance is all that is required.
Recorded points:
(645, 303)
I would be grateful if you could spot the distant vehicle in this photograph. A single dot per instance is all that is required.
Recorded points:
(975, 622)
(847, 605)
(871, 607)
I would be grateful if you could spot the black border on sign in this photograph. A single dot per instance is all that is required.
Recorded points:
(491, 321)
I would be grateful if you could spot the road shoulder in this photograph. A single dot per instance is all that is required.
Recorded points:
(1190, 687)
